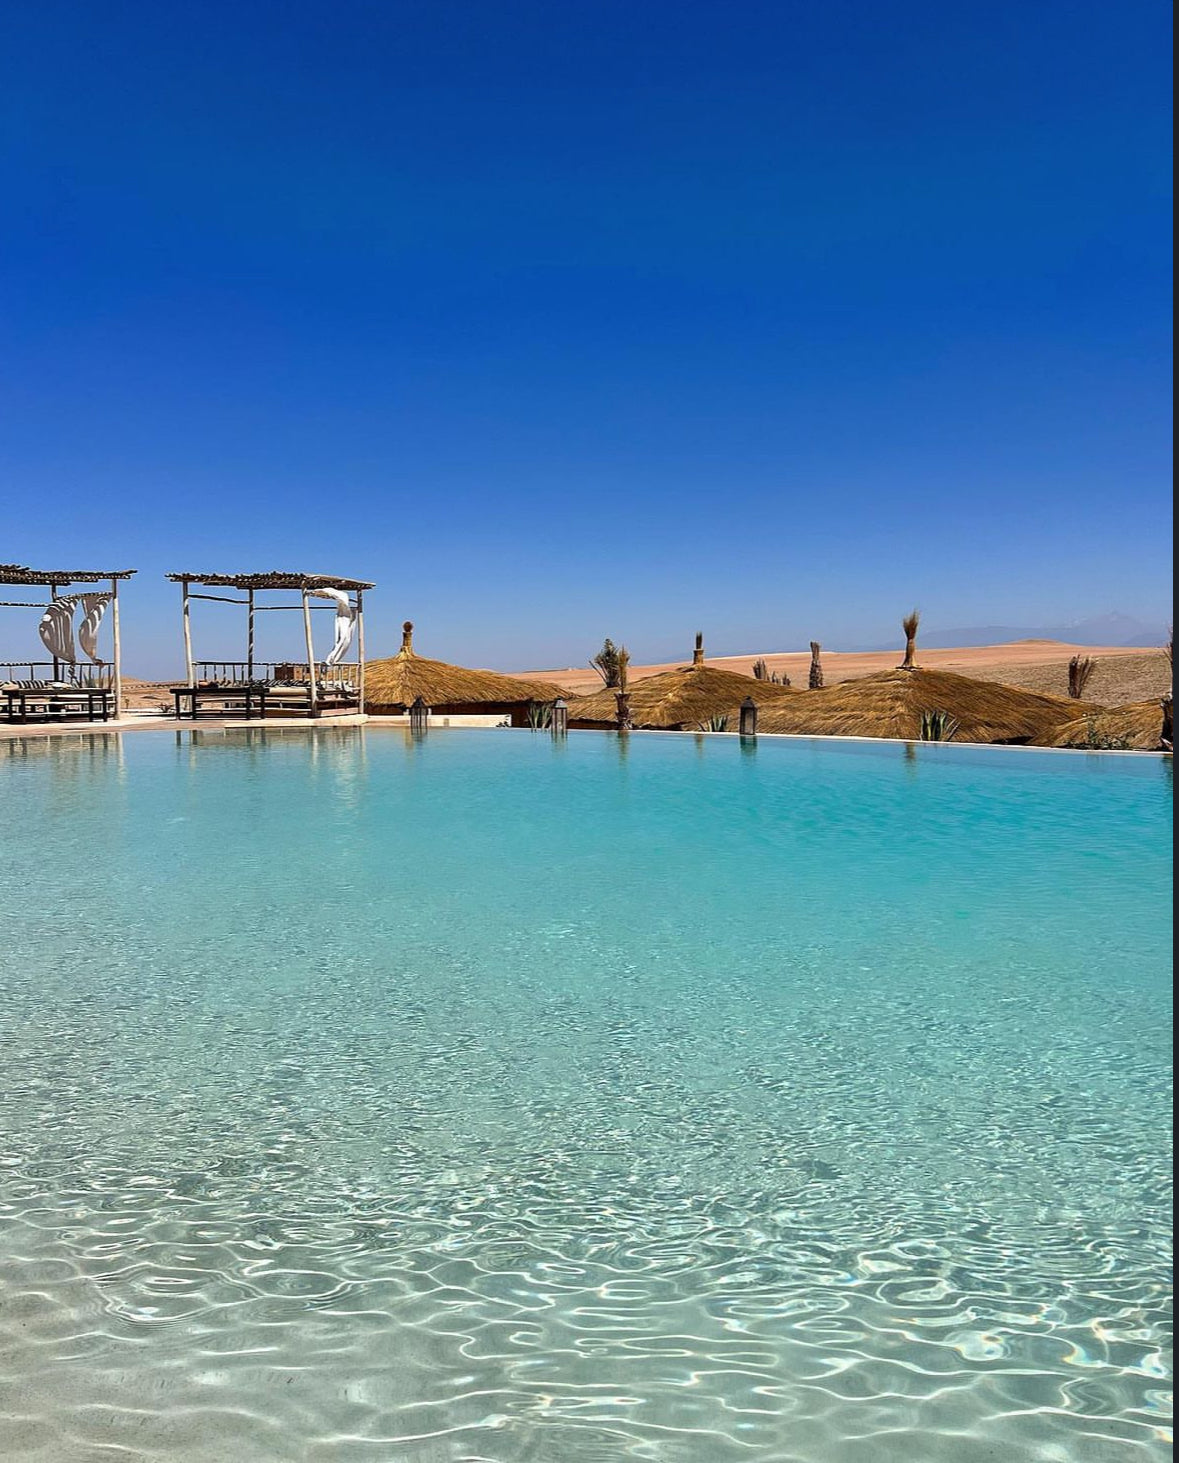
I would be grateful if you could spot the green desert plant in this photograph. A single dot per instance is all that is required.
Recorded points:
(606, 663)
(1098, 741)
(937, 726)
(1080, 672)
(715, 723)
(815, 681)
(909, 626)
(540, 715)
(622, 667)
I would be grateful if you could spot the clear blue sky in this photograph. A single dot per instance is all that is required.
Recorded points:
(565, 320)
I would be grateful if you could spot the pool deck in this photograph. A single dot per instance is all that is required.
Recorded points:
(146, 722)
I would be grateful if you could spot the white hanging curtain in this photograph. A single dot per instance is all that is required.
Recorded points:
(93, 609)
(57, 629)
(345, 622)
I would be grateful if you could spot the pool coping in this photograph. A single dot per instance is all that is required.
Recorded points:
(147, 723)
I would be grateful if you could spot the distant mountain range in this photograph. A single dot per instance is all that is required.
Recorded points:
(1112, 629)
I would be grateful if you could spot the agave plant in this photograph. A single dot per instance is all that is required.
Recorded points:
(540, 715)
(937, 726)
(715, 723)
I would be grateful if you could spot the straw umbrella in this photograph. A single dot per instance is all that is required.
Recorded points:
(1139, 726)
(396, 683)
(686, 698)
(900, 703)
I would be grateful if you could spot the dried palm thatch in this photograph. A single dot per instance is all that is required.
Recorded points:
(682, 699)
(896, 704)
(1137, 727)
(19, 574)
(393, 684)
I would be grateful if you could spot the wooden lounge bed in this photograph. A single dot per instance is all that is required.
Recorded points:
(258, 699)
(55, 703)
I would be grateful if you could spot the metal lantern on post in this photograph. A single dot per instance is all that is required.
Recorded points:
(748, 724)
(418, 714)
(623, 703)
(560, 722)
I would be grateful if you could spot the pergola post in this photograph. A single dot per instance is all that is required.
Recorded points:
(56, 669)
(310, 653)
(186, 613)
(249, 634)
(360, 647)
(118, 649)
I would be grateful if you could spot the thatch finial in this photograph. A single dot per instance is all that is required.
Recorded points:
(407, 636)
(815, 681)
(698, 653)
(1080, 672)
(909, 626)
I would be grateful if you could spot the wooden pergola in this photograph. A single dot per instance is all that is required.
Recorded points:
(251, 586)
(55, 581)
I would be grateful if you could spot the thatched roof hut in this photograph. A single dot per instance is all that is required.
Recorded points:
(893, 704)
(684, 699)
(394, 684)
(1137, 727)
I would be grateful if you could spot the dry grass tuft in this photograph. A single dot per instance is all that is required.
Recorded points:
(1080, 673)
(909, 626)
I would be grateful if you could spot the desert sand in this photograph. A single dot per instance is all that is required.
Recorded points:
(1122, 674)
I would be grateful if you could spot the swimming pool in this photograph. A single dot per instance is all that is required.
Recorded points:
(494, 1097)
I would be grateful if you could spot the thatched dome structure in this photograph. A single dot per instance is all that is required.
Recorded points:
(394, 684)
(893, 704)
(1136, 727)
(684, 699)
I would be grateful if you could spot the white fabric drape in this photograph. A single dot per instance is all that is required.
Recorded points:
(93, 609)
(57, 629)
(345, 622)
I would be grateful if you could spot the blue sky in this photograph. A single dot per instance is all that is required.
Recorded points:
(561, 321)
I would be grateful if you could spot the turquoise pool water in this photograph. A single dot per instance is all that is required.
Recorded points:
(491, 1098)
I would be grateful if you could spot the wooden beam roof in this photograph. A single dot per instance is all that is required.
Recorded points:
(18, 574)
(273, 579)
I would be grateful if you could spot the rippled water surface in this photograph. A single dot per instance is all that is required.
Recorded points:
(489, 1098)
